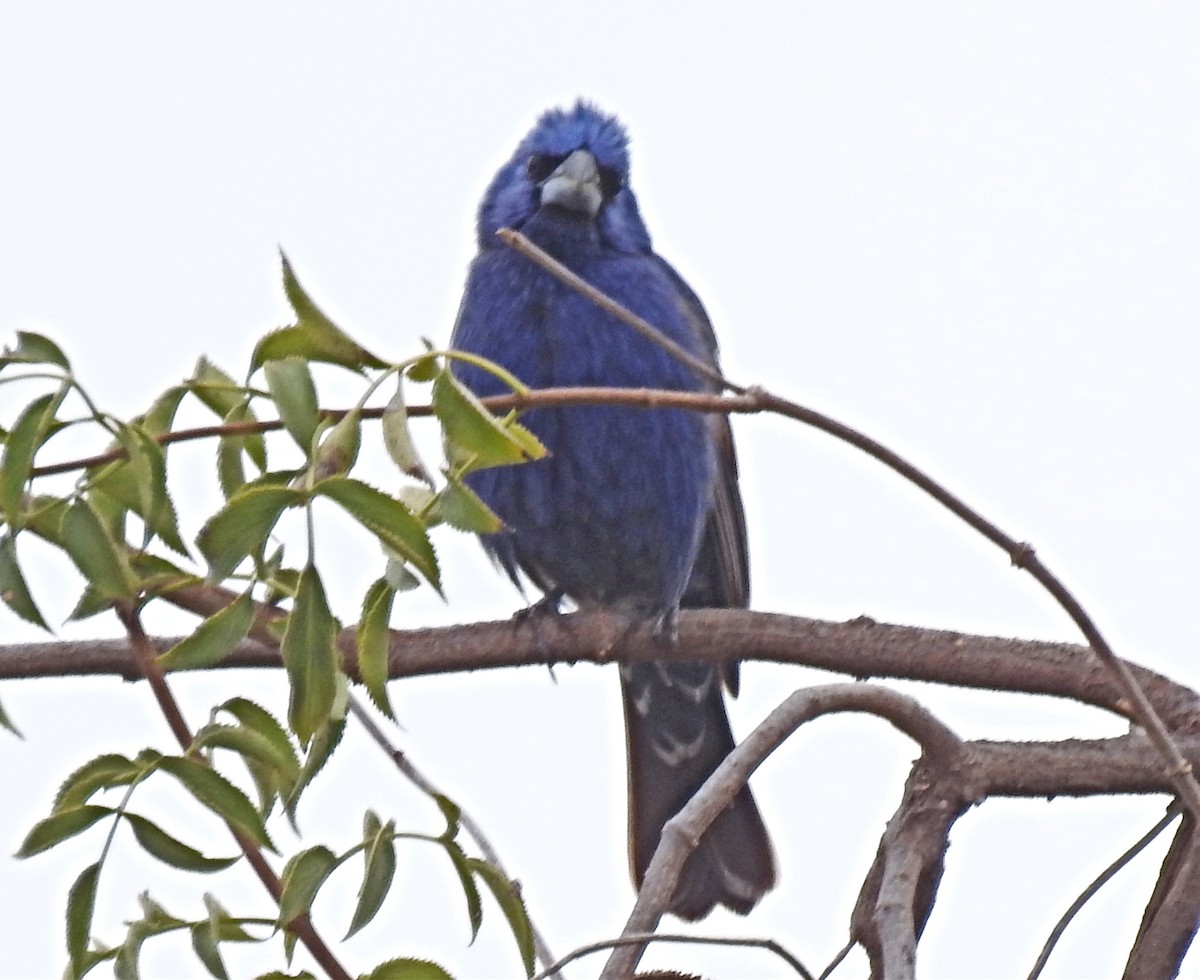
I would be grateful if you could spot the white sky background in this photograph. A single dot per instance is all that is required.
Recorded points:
(970, 231)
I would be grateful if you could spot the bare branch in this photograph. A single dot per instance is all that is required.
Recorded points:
(684, 830)
(860, 648)
(1173, 913)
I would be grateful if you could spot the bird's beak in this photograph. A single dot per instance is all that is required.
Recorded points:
(575, 185)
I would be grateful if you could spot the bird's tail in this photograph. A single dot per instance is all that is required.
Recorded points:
(677, 734)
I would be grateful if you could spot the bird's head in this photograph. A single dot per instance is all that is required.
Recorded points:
(576, 160)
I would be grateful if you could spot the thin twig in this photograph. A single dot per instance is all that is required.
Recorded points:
(1101, 880)
(418, 779)
(147, 658)
(1020, 553)
(662, 937)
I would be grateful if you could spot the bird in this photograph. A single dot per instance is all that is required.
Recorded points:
(633, 509)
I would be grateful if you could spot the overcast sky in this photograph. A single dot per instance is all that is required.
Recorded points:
(971, 231)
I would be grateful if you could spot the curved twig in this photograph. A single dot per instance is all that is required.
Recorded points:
(1020, 553)
(679, 836)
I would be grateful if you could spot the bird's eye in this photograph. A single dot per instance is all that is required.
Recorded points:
(611, 183)
(542, 165)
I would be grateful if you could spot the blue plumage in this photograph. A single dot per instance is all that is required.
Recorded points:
(636, 508)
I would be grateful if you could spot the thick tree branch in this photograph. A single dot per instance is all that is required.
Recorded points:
(860, 648)
(684, 830)
(1173, 912)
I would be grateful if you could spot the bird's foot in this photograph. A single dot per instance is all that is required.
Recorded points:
(666, 627)
(547, 605)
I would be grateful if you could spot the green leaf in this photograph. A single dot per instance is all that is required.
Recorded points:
(58, 828)
(7, 722)
(81, 905)
(225, 928)
(24, 439)
(91, 603)
(379, 868)
(326, 740)
(398, 440)
(407, 969)
(371, 639)
(218, 794)
(388, 519)
(139, 483)
(240, 527)
(102, 772)
(291, 385)
(33, 348)
(204, 944)
(274, 774)
(13, 589)
(474, 436)
(339, 448)
(214, 639)
(230, 470)
(304, 874)
(215, 389)
(423, 368)
(158, 843)
(314, 337)
(511, 904)
(310, 657)
(258, 751)
(452, 812)
(459, 506)
(160, 416)
(467, 880)
(100, 559)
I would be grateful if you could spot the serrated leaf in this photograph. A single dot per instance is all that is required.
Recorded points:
(474, 436)
(398, 440)
(459, 506)
(158, 843)
(139, 483)
(34, 348)
(423, 369)
(219, 795)
(7, 722)
(509, 899)
(320, 750)
(271, 779)
(405, 968)
(371, 642)
(16, 464)
(240, 527)
(314, 337)
(338, 450)
(467, 880)
(291, 385)
(204, 944)
(102, 772)
(55, 829)
(214, 639)
(91, 603)
(99, 558)
(215, 389)
(310, 657)
(81, 905)
(304, 875)
(230, 471)
(160, 416)
(452, 813)
(13, 588)
(253, 747)
(388, 520)
(379, 869)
